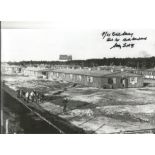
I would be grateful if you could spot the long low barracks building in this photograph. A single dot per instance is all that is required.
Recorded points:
(99, 79)
(146, 73)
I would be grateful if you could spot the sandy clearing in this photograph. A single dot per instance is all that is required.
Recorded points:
(147, 109)
(123, 109)
(54, 109)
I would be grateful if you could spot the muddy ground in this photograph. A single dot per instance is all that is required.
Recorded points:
(92, 109)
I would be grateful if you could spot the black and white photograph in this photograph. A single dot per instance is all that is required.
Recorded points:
(60, 79)
(77, 77)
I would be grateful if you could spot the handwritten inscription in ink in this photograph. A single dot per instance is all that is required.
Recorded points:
(121, 40)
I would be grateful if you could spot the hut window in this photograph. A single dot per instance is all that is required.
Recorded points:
(71, 76)
(110, 81)
(79, 77)
(133, 80)
(51, 74)
(89, 79)
(114, 80)
(44, 73)
(63, 75)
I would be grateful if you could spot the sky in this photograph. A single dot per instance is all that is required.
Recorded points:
(47, 41)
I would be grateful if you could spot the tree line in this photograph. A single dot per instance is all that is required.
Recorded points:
(148, 62)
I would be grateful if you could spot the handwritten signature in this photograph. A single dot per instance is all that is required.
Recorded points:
(121, 39)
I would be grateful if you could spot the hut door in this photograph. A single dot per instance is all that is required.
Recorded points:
(124, 83)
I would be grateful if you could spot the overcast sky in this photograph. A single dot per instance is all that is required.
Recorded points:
(83, 42)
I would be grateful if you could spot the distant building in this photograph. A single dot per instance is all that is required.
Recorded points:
(36, 72)
(65, 67)
(146, 73)
(11, 69)
(100, 79)
(114, 68)
(65, 57)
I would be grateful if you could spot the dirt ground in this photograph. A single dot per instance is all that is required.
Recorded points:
(95, 110)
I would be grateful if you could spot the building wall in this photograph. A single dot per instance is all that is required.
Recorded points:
(82, 79)
(99, 82)
(33, 73)
(11, 70)
(133, 84)
(146, 74)
(125, 82)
